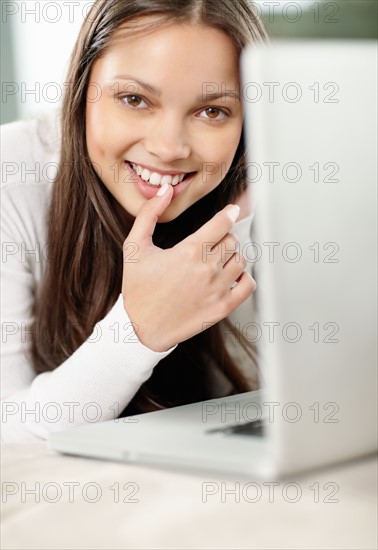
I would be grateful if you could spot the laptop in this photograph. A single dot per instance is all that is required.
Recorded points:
(310, 118)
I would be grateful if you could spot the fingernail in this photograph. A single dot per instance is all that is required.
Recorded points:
(163, 189)
(233, 212)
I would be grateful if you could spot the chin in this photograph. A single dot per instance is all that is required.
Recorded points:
(165, 217)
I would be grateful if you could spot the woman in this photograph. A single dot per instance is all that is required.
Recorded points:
(128, 312)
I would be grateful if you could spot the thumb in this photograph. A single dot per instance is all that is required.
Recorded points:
(147, 217)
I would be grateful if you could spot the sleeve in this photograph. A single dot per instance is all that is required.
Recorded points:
(94, 384)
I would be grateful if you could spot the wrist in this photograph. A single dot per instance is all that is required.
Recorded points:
(152, 343)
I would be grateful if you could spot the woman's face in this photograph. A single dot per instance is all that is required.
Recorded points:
(151, 116)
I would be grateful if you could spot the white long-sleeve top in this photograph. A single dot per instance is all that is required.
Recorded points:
(101, 377)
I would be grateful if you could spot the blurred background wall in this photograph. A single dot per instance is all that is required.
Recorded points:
(35, 48)
(37, 37)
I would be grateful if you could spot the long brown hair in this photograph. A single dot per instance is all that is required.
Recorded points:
(84, 279)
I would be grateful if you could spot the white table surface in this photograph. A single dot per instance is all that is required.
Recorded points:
(170, 511)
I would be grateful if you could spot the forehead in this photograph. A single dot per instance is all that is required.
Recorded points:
(196, 52)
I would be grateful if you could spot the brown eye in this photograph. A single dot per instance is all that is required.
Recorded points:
(213, 112)
(133, 100)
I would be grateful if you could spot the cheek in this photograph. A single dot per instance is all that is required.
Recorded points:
(221, 142)
(103, 131)
(218, 153)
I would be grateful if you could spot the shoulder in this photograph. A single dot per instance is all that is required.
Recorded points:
(30, 150)
(24, 213)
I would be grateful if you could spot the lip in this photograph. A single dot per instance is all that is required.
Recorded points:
(148, 191)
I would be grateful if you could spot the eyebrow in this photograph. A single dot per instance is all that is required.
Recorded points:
(157, 92)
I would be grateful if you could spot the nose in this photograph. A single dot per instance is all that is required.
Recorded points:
(167, 138)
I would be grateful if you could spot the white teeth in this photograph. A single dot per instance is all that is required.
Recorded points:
(154, 178)
(166, 179)
(146, 174)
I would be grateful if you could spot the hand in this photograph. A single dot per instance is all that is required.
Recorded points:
(171, 295)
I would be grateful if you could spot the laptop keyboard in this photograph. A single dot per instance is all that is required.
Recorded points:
(255, 428)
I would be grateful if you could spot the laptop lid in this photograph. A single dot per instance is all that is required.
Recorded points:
(311, 111)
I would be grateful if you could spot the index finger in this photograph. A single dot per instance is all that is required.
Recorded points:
(219, 225)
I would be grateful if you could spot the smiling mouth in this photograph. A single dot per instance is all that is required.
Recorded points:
(155, 179)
